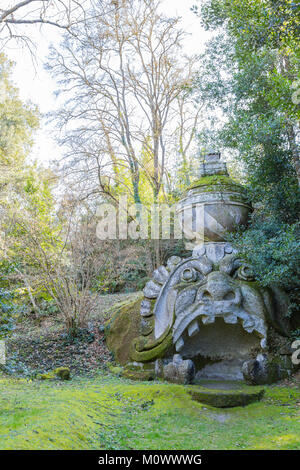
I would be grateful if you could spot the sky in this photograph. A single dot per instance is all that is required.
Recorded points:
(37, 85)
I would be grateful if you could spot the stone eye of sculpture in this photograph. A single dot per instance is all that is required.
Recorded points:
(205, 317)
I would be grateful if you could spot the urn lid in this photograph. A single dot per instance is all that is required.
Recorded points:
(214, 178)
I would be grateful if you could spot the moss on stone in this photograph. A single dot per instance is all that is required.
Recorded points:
(138, 374)
(253, 284)
(134, 372)
(122, 328)
(62, 373)
(117, 370)
(47, 376)
(153, 350)
(123, 335)
(226, 398)
(215, 180)
(147, 325)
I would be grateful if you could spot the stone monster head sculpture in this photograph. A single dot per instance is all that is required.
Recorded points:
(208, 309)
(205, 316)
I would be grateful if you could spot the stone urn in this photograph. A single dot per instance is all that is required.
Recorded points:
(212, 206)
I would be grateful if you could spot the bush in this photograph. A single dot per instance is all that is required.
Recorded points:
(273, 249)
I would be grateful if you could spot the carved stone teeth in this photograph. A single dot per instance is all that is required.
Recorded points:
(230, 318)
(172, 262)
(249, 329)
(249, 325)
(145, 308)
(263, 343)
(248, 322)
(193, 328)
(179, 344)
(151, 290)
(206, 320)
(161, 274)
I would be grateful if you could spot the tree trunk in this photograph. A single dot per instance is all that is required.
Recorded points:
(157, 244)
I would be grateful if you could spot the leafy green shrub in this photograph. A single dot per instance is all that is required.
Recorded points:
(48, 308)
(273, 249)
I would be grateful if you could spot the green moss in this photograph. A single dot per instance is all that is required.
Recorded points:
(216, 180)
(122, 328)
(47, 376)
(151, 350)
(62, 373)
(226, 398)
(116, 370)
(138, 374)
(123, 335)
(107, 412)
(141, 371)
(147, 325)
(253, 284)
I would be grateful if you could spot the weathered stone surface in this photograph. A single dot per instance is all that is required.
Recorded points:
(161, 274)
(226, 398)
(139, 371)
(151, 290)
(144, 375)
(173, 261)
(224, 369)
(210, 311)
(145, 310)
(123, 328)
(146, 326)
(264, 370)
(277, 305)
(148, 349)
(193, 329)
(179, 370)
(62, 373)
(220, 296)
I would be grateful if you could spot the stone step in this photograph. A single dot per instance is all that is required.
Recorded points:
(222, 394)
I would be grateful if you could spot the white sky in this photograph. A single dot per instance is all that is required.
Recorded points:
(36, 84)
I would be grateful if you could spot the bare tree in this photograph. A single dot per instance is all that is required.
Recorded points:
(59, 254)
(123, 70)
(14, 15)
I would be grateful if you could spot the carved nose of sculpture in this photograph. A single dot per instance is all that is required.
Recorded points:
(219, 288)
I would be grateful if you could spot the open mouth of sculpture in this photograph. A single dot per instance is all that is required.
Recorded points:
(219, 337)
(189, 325)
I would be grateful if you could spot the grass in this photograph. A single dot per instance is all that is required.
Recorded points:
(107, 412)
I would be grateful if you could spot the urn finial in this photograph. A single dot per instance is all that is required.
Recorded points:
(212, 165)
